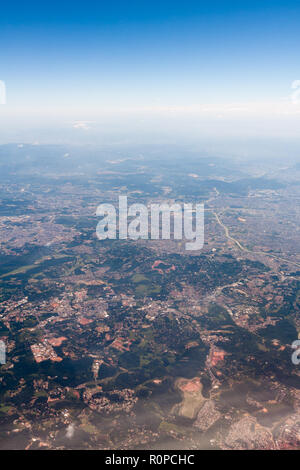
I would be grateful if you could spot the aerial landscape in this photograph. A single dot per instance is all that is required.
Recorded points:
(141, 344)
(169, 334)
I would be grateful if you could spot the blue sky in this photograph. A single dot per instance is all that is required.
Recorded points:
(81, 60)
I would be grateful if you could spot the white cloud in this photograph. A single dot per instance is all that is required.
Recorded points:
(82, 125)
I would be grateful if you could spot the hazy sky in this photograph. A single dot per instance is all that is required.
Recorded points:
(199, 67)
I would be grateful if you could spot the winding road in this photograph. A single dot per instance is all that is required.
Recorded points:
(241, 247)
